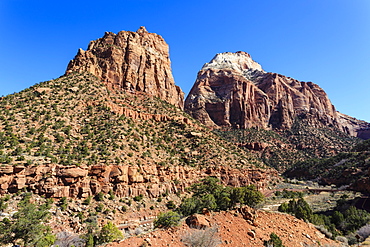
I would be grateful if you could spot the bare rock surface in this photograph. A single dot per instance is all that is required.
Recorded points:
(233, 90)
(135, 61)
(151, 181)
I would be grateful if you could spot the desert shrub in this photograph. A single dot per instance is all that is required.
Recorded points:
(352, 240)
(168, 219)
(138, 198)
(99, 197)
(325, 231)
(170, 205)
(99, 208)
(289, 194)
(63, 204)
(3, 204)
(274, 241)
(109, 233)
(111, 195)
(27, 225)
(207, 237)
(342, 239)
(354, 219)
(210, 194)
(364, 231)
(87, 201)
(363, 146)
(299, 209)
(68, 239)
(189, 206)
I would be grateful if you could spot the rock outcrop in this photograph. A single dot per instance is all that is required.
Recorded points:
(233, 90)
(135, 61)
(125, 180)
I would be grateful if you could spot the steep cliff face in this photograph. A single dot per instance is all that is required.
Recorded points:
(125, 180)
(233, 90)
(135, 61)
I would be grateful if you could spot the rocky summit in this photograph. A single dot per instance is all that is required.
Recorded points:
(234, 91)
(136, 61)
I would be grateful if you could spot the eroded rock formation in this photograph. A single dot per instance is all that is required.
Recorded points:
(125, 180)
(233, 90)
(135, 61)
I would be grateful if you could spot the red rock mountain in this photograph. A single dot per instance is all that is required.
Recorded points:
(136, 61)
(233, 90)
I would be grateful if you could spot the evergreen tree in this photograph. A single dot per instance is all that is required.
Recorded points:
(26, 226)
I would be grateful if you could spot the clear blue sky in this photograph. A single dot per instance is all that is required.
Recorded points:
(324, 41)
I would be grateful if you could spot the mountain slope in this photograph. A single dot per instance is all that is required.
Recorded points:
(349, 169)
(74, 136)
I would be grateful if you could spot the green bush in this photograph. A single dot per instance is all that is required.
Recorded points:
(99, 208)
(170, 205)
(111, 195)
(3, 204)
(168, 219)
(87, 201)
(26, 226)
(138, 198)
(99, 197)
(274, 241)
(109, 233)
(354, 219)
(210, 194)
(63, 203)
(299, 209)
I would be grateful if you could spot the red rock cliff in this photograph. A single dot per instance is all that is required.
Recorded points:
(233, 90)
(58, 181)
(136, 61)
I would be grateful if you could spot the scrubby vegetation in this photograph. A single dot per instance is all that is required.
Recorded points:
(274, 241)
(210, 194)
(342, 169)
(283, 149)
(344, 219)
(26, 227)
(168, 219)
(76, 120)
(207, 237)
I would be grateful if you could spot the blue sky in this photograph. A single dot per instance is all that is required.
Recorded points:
(323, 41)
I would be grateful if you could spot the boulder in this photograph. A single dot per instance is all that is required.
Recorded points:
(197, 221)
(73, 172)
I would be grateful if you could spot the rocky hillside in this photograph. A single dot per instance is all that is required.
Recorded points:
(75, 136)
(135, 61)
(234, 91)
(245, 227)
(283, 149)
(347, 169)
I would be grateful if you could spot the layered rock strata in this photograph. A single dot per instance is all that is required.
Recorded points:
(234, 91)
(126, 181)
(135, 61)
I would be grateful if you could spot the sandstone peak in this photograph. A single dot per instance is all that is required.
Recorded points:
(134, 61)
(239, 61)
(233, 90)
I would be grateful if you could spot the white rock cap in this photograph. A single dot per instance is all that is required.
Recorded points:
(239, 61)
